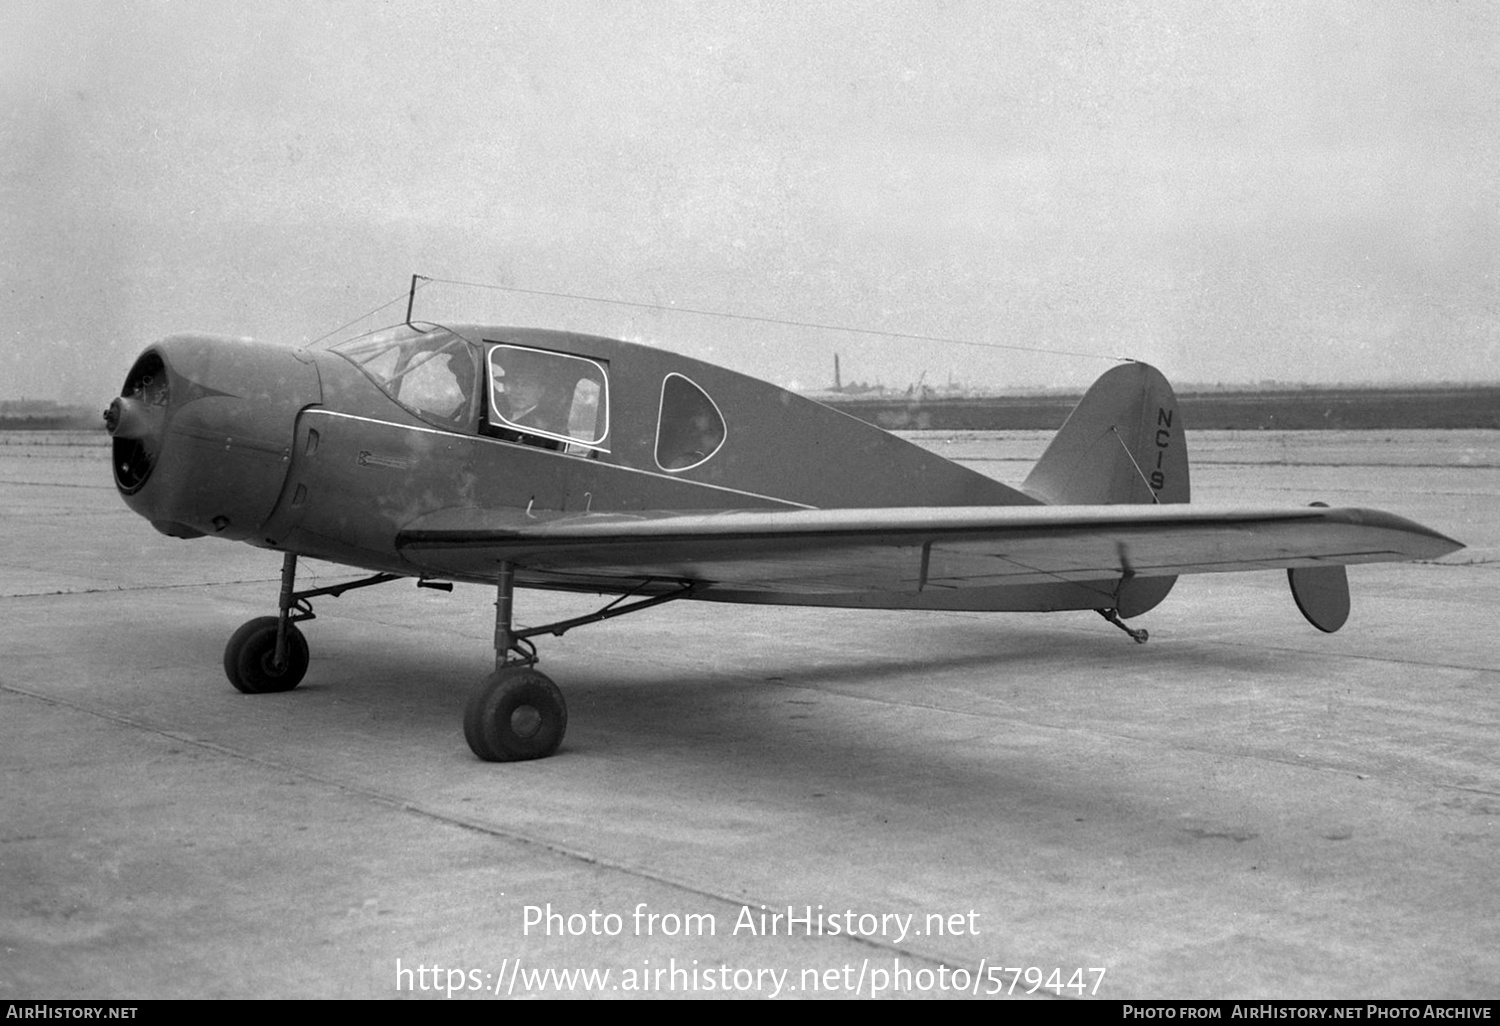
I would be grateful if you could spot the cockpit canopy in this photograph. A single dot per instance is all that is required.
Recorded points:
(527, 394)
(424, 367)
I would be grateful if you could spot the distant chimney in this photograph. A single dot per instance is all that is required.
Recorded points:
(838, 385)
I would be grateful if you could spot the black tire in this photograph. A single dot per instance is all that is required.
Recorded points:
(515, 714)
(249, 658)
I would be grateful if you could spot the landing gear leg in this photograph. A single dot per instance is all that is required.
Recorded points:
(269, 653)
(1140, 636)
(517, 712)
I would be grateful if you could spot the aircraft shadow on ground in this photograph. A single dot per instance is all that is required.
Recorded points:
(796, 733)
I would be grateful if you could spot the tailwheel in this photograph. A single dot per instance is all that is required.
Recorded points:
(1139, 636)
(250, 657)
(517, 713)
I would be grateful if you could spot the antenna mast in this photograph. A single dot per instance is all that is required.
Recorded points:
(411, 296)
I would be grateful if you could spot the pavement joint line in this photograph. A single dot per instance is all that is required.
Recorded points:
(64, 484)
(449, 819)
(1333, 466)
(121, 589)
(1253, 464)
(1476, 790)
(1350, 655)
(62, 510)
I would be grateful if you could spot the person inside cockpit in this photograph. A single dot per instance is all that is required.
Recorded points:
(525, 402)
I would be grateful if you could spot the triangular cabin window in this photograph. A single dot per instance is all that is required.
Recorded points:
(690, 428)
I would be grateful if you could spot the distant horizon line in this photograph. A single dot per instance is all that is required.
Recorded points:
(1181, 388)
(29, 406)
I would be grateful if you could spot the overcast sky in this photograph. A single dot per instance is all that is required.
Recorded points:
(1233, 192)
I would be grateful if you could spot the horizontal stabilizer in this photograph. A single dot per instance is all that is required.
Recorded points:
(1322, 593)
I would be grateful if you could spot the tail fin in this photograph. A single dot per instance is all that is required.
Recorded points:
(1123, 443)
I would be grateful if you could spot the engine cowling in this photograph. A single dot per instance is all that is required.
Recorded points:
(202, 432)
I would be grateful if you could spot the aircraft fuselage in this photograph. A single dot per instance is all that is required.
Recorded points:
(331, 456)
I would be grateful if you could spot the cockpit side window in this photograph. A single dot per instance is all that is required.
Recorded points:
(425, 368)
(690, 428)
(551, 400)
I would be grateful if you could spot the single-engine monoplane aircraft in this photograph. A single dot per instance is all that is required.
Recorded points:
(545, 459)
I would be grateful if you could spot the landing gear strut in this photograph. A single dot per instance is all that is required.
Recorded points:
(269, 653)
(518, 712)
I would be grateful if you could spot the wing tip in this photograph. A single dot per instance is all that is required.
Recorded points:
(1424, 542)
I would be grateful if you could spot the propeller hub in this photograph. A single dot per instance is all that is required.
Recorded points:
(128, 417)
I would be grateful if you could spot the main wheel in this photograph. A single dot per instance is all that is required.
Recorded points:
(250, 657)
(515, 714)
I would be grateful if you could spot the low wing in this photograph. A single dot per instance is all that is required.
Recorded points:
(907, 550)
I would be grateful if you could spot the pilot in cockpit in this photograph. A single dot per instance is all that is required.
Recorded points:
(523, 400)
